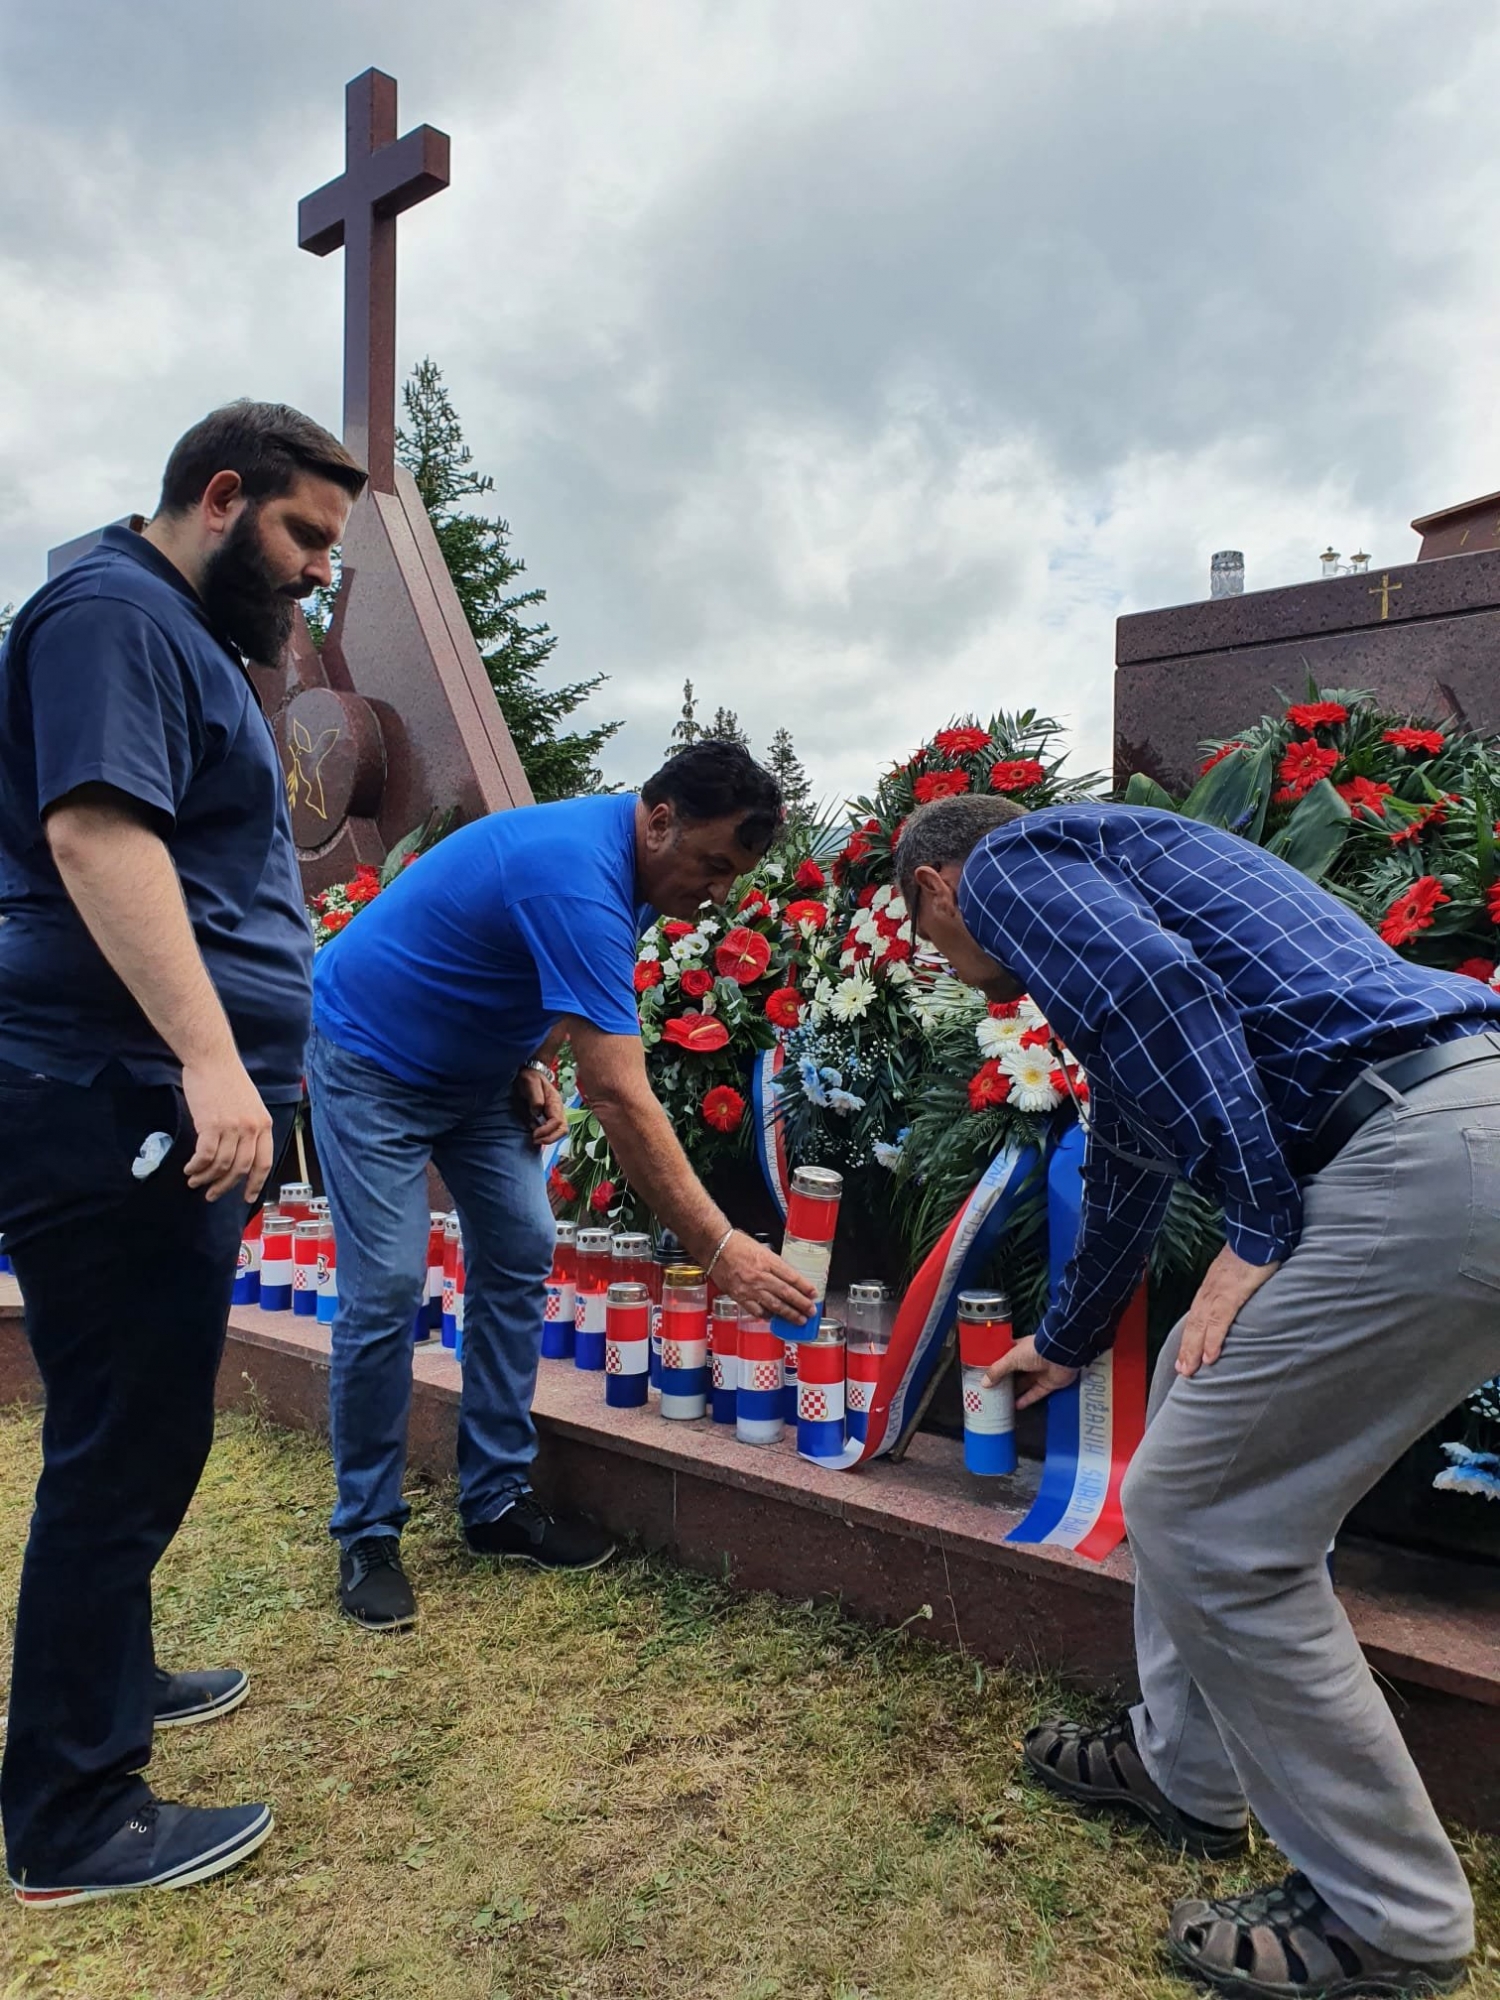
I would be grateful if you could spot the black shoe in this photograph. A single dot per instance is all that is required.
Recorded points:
(160, 1847)
(1101, 1768)
(373, 1589)
(527, 1533)
(185, 1698)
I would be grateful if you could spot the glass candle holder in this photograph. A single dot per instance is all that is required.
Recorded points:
(276, 1261)
(305, 1269)
(595, 1269)
(811, 1220)
(295, 1200)
(758, 1406)
(684, 1342)
(820, 1392)
(724, 1363)
(627, 1343)
(450, 1281)
(984, 1335)
(328, 1275)
(560, 1299)
(247, 1265)
(868, 1321)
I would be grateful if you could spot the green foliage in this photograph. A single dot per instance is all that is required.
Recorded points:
(725, 728)
(785, 767)
(687, 728)
(7, 617)
(514, 646)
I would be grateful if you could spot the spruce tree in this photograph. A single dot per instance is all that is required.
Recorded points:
(785, 767)
(687, 728)
(514, 646)
(725, 728)
(7, 616)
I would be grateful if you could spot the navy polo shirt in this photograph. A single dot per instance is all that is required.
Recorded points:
(112, 674)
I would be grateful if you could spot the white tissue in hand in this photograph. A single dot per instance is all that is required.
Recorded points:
(154, 1149)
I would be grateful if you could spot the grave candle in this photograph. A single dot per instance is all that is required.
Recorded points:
(868, 1322)
(458, 1303)
(247, 1266)
(811, 1219)
(275, 1262)
(450, 1281)
(984, 1334)
(437, 1226)
(561, 1295)
(328, 1282)
(684, 1342)
(305, 1269)
(631, 1261)
(758, 1418)
(295, 1200)
(669, 1251)
(5, 1263)
(594, 1271)
(627, 1343)
(724, 1339)
(820, 1392)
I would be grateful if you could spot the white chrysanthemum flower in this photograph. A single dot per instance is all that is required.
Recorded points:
(900, 973)
(708, 928)
(852, 998)
(1030, 1073)
(995, 1037)
(650, 952)
(689, 947)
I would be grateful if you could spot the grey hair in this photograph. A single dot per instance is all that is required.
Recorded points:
(947, 830)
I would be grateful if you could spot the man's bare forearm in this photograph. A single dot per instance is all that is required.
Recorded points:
(121, 880)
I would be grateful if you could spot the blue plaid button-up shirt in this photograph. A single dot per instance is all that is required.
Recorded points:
(1219, 1003)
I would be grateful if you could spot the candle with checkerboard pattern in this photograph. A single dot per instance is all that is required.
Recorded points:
(724, 1363)
(561, 1301)
(247, 1266)
(870, 1315)
(820, 1392)
(684, 1342)
(594, 1272)
(984, 1334)
(758, 1415)
(449, 1317)
(275, 1262)
(627, 1343)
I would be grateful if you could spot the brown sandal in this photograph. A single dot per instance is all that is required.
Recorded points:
(1286, 1944)
(1102, 1769)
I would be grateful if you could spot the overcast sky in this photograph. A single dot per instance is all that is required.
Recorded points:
(862, 360)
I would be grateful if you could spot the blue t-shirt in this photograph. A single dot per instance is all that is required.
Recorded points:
(459, 970)
(112, 674)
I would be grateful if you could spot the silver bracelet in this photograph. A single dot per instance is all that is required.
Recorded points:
(719, 1249)
(541, 1068)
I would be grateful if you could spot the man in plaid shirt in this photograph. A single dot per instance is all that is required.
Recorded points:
(1241, 1028)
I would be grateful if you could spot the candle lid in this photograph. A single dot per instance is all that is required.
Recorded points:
(629, 1292)
(450, 1227)
(566, 1232)
(819, 1183)
(593, 1242)
(830, 1333)
(870, 1292)
(308, 1228)
(683, 1274)
(984, 1305)
(296, 1188)
(725, 1308)
(632, 1243)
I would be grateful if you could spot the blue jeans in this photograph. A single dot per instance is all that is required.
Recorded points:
(375, 1136)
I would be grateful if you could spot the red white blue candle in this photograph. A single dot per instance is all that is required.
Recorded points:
(594, 1272)
(275, 1262)
(295, 1200)
(450, 1281)
(820, 1392)
(328, 1275)
(812, 1218)
(758, 1415)
(560, 1299)
(437, 1225)
(627, 1343)
(984, 1335)
(684, 1342)
(868, 1321)
(724, 1359)
(247, 1266)
(458, 1303)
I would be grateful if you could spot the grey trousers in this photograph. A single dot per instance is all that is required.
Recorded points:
(1254, 1689)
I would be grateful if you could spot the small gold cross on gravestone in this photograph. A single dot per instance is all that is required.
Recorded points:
(1383, 590)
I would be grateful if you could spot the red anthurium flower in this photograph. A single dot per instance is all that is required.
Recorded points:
(810, 876)
(723, 1108)
(602, 1196)
(1430, 740)
(1312, 715)
(1412, 913)
(677, 930)
(807, 911)
(1482, 969)
(940, 785)
(988, 1086)
(784, 1007)
(743, 956)
(1014, 774)
(647, 973)
(1218, 757)
(1301, 768)
(696, 981)
(700, 1034)
(1366, 792)
(961, 742)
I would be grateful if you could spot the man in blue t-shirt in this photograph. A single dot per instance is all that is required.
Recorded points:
(154, 999)
(433, 1015)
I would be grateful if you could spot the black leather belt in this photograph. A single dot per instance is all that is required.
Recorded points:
(1363, 1098)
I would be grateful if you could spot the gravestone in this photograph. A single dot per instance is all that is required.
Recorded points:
(392, 722)
(1423, 636)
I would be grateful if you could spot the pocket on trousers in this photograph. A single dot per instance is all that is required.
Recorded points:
(1481, 1258)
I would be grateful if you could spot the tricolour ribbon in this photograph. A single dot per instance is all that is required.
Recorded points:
(1093, 1428)
(956, 1262)
(770, 1124)
(553, 1153)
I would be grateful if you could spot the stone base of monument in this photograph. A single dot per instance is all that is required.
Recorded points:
(919, 1544)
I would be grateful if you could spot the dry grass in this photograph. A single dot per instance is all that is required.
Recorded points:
(627, 1784)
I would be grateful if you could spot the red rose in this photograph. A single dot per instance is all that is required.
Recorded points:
(1366, 792)
(1225, 750)
(1014, 774)
(700, 1034)
(810, 876)
(677, 930)
(647, 974)
(1412, 912)
(940, 785)
(807, 912)
(723, 1108)
(784, 1007)
(602, 1196)
(743, 956)
(1303, 765)
(988, 1086)
(1482, 969)
(754, 903)
(1430, 740)
(696, 981)
(1310, 715)
(560, 1187)
(961, 742)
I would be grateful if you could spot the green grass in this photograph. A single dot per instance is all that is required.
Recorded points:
(625, 1784)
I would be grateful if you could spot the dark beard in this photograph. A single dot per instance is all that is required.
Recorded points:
(242, 598)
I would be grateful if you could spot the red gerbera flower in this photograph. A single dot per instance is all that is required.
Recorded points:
(1014, 774)
(1482, 969)
(336, 920)
(365, 886)
(1301, 768)
(1412, 912)
(743, 956)
(810, 876)
(962, 742)
(1434, 815)
(1430, 740)
(807, 911)
(940, 785)
(1367, 792)
(601, 1198)
(987, 1086)
(1059, 1081)
(723, 1108)
(647, 975)
(1225, 750)
(700, 1034)
(1312, 715)
(784, 1007)
(696, 981)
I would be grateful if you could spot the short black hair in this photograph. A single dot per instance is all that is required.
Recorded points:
(268, 444)
(711, 780)
(947, 830)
